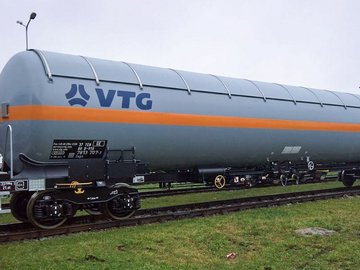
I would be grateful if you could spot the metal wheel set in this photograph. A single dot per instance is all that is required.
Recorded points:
(49, 209)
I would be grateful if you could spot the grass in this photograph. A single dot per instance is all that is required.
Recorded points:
(262, 239)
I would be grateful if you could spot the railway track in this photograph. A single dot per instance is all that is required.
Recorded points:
(24, 231)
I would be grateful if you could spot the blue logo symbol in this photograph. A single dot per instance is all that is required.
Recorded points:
(74, 90)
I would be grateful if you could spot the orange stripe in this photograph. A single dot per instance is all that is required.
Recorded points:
(60, 113)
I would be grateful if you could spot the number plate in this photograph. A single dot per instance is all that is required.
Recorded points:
(78, 149)
(18, 185)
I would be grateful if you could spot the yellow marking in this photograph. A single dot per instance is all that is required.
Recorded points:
(75, 184)
(79, 191)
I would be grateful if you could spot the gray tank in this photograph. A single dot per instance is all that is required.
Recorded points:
(174, 119)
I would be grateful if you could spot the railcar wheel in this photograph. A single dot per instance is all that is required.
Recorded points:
(111, 209)
(18, 203)
(44, 211)
(348, 180)
(296, 178)
(122, 206)
(116, 208)
(283, 179)
(220, 181)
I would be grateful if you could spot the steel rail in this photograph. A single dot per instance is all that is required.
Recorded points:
(24, 231)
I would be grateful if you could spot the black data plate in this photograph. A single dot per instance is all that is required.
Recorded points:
(78, 149)
(18, 185)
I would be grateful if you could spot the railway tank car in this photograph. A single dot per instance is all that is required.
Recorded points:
(76, 131)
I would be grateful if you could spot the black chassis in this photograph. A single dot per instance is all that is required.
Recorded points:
(271, 170)
(79, 181)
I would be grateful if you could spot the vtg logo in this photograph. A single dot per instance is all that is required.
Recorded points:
(82, 100)
(77, 95)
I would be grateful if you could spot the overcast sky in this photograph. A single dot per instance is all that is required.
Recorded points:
(312, 43)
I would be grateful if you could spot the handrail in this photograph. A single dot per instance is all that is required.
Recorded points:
(183, 79)
(287, 90)
(92, 68)
(258, 88)
(44, 63)
(136, 74)
(311, 91)
(353, 96)
(338, 98)
(221, 81)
